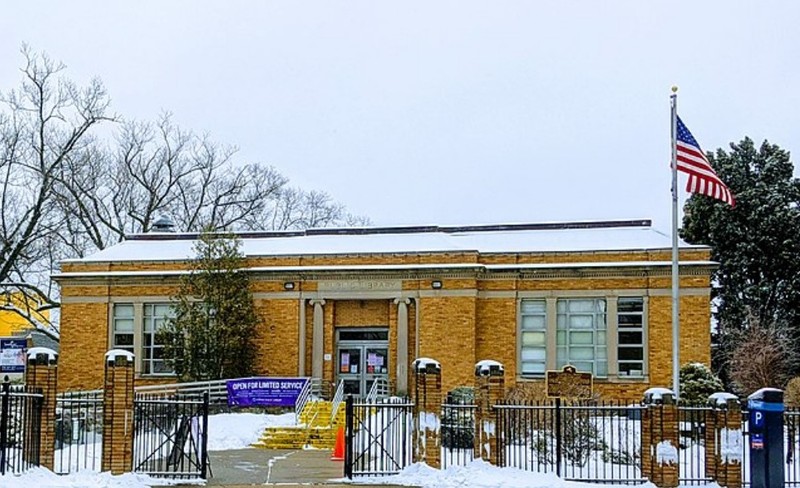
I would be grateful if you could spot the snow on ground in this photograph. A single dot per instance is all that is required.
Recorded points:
(43, 478)
(240, 430)
(479, 474)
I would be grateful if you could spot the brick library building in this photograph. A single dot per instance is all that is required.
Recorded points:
(360, 304)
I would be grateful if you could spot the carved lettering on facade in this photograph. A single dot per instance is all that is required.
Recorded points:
(360, 285)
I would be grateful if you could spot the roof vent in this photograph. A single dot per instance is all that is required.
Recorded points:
(163, 224)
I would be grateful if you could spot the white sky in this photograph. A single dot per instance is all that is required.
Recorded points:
(447, 112)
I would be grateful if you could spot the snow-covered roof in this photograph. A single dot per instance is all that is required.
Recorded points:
(502, 238)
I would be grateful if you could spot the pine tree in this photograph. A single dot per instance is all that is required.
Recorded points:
(698, 383)
(213, 330)
(757, 243)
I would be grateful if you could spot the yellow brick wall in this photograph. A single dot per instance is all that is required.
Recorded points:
(496, 332)
(355, 313)
(84, 341)
(455, 330)
(447, 334)
(695, 335)
(278, 337)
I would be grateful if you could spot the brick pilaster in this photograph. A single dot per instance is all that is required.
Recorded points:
(118, 412)
(489, 391)
(41, 373)
(427, 410)
(724, 440)
(660, 438)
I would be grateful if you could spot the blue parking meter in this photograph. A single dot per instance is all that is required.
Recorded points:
(766, 438)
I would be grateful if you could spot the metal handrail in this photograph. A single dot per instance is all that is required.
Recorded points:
(379, 389)
(338, 397)
(217, 389)
(310, 391)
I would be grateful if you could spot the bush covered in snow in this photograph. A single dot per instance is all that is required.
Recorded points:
(697, 383)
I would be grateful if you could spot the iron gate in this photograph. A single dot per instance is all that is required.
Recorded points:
(20, 427)
(170, 435)
(377, 437)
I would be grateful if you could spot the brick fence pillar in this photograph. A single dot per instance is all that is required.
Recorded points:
(724, 440)
(490, 386)
(427, 409)
(660, 438)
(41, 372)
(118, 412)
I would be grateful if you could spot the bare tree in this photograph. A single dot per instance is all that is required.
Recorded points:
(66, 192)
(762, 358)
(42, 124)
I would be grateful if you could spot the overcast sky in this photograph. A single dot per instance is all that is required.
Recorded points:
(442, 112)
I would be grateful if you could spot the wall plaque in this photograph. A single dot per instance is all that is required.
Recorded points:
(360, 285)
(569, 383)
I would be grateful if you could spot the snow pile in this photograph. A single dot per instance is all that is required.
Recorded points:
(43, 478)
(730, 449)
(477, 474)
(666, 453)
(240, 430)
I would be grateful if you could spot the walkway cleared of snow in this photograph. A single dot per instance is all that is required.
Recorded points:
(43, 478)
(239, 430)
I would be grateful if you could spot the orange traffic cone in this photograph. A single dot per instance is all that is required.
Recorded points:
(338, 448)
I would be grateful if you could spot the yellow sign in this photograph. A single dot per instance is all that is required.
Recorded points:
(569, 383)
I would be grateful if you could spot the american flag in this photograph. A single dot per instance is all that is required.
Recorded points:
(692, 160)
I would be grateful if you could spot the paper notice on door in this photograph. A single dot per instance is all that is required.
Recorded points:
(374, 360)
(344, 362)
(354, 368)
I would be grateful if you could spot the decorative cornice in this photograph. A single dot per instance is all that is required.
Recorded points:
(409, 272)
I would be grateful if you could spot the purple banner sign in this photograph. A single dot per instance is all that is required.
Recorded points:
(265, 392)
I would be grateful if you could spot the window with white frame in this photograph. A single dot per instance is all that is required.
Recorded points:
(581, 338)
(122, 327)
(533, 333)
(134, 328)
(630, 336)
(155, 317)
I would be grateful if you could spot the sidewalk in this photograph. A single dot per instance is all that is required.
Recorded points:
(257, 467)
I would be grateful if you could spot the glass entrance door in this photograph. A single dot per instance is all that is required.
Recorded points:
(362, 357)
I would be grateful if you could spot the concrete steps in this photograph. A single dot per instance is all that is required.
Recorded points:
(315, 429)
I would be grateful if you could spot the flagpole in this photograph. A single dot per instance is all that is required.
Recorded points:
(675, 275)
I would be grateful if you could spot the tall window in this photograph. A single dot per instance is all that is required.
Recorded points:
(122, 327)
(155, 316)
(533, 352)
(630, 336)
(581, 335)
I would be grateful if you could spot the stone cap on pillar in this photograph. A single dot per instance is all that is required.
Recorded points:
(119, 356)
(488, 367)
(723, 400)
(42, 355)
(659, 396)
(426, 366)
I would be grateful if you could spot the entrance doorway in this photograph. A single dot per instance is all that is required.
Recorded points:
(362, 357)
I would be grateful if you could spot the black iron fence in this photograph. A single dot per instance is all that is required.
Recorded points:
(577, 441)
(170, 435)
(378, 437)
(20, 427)
(458, 432)
(78, 432)
(791, 426)
(692, 423)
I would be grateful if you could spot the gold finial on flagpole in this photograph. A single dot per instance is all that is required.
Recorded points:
(674, 88)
